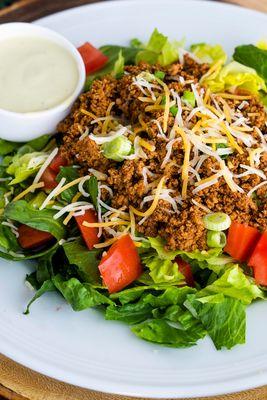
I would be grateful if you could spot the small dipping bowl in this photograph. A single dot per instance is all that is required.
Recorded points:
(24, 126)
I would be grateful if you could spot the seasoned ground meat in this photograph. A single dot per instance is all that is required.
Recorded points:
(177, 218)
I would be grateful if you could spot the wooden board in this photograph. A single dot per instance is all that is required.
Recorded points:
(29, 10)
(16, 381)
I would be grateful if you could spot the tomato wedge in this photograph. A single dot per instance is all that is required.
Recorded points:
(89, 234)
(57, 162)
(258, 260)
(30, 238)
(49, 178)
(121, 265)
(93, 58)
(185, 268)
(241, 241)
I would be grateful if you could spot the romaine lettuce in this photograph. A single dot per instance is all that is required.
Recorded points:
(208, 53)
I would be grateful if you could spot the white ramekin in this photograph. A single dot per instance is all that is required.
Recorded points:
(21, 127)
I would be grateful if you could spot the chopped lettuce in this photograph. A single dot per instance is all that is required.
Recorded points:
(70, 174)
(7, 147)
(253, 57)
(79, 295)
(162, 270)
(159, 49)
(129, 313)
(25, 165)
(234, 283)
(208, 53)
(235, 76)
(20, 211)
(171, 296)
(84, 260)
(119, 66)
(223, 317)
(262, 44)
(47, 286)
(160, 331)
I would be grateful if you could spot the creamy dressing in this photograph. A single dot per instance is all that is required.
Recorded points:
(36, 74)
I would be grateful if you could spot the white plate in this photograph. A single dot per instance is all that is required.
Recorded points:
(82, 348)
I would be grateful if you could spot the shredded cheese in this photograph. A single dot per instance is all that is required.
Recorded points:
(90, 114)
(254, 156)
(80, 185)
(104, 224)
(107, 243)
(146, 145)
(45, 165)
(109, 137)
(232, 142)
(204, 208)
(154, 204)
(30, 189)
(167, 104)
(98, 174)
(256, 188)
(233, 96)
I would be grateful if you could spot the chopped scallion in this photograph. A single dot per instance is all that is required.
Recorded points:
(117, 149)
(174, 110)
(189, 98)
(217, 221)
(216, 239)
(160, 75)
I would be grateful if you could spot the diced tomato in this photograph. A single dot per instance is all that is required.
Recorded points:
(241, 241)
(30, 238)
(93, 58)
(258, 260)
(49, 178)
(121, 265)
(57, 162)
(185, 268)
(89, 234)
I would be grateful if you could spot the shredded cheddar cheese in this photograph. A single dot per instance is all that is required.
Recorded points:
(154, 204)
(30, 189)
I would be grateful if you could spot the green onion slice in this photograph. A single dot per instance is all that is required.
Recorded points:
(117, 149)
(216, 239)
(217, 221)
(159, 75)
(174, 110)
(189, 98)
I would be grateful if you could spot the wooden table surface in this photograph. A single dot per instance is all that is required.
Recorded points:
(16, 381)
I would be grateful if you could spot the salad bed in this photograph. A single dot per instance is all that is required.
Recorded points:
(53, 214)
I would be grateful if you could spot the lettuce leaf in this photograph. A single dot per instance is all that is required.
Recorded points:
(85, 260)
(132, 294)
(7, 147)
(70, 174)
(159, 49)
(43, 220)
(162, 271)
(20, 169)
(118, 66)
(160, 331)
(171, 296)
(80, 296)
(223, 317)
(162, 268)
(209, 54)
(129, 313)
(233, 76)
(234, 283)
(47, 286)
(253, 57)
